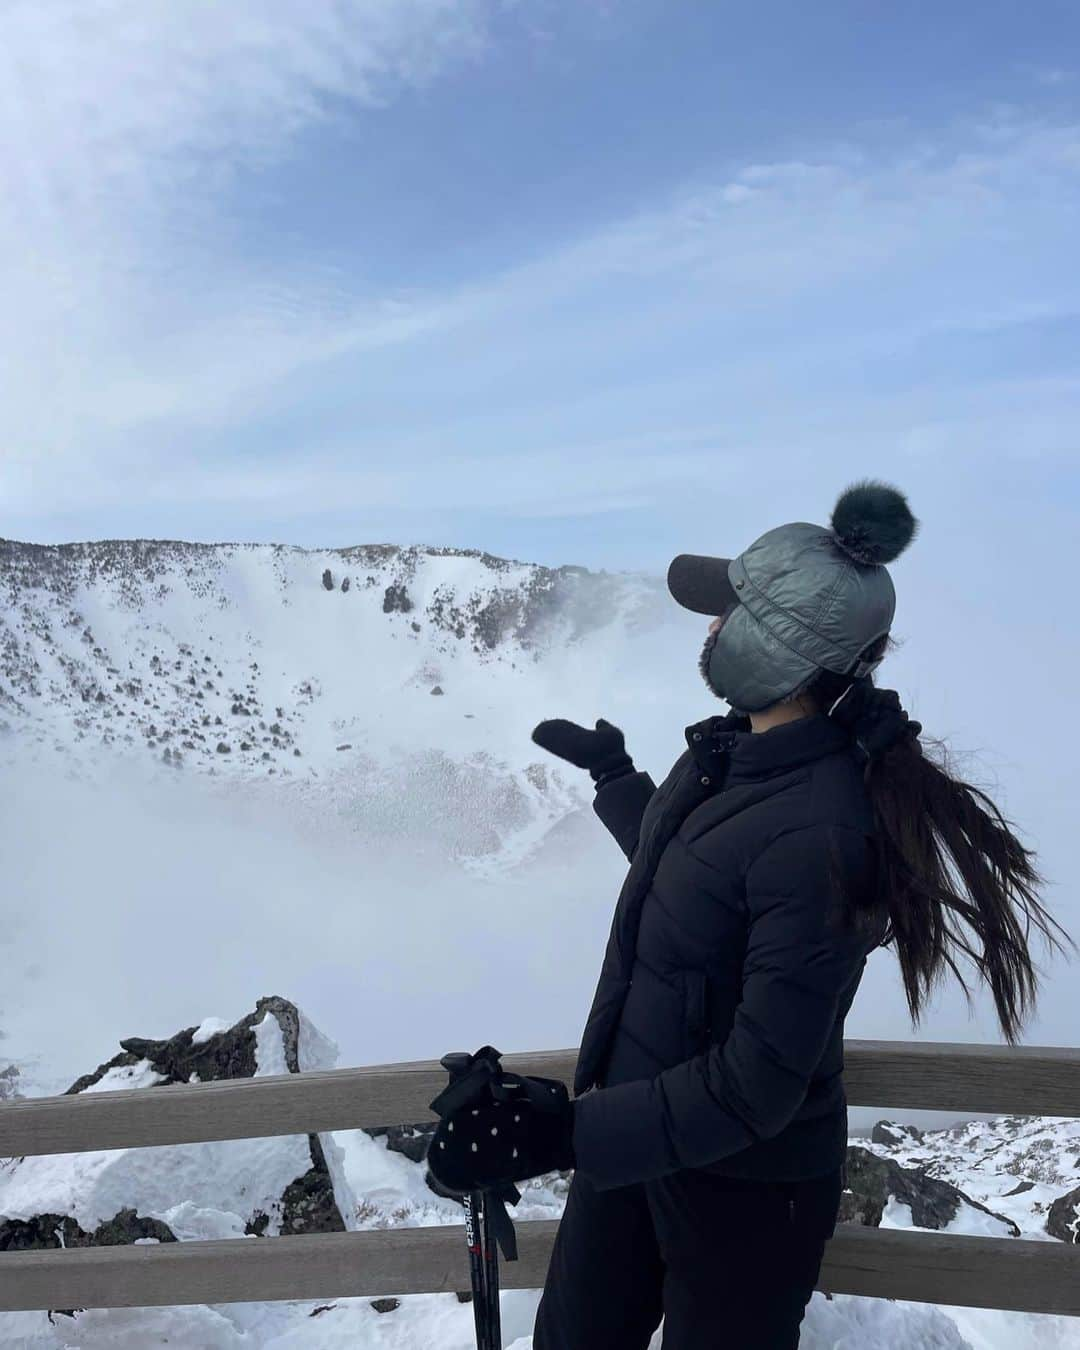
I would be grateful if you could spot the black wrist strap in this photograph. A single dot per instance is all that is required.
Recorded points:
(609, 775)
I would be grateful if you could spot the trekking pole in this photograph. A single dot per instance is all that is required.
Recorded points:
(474, 1236)
(491, 1277)
(488, 1227)
(457, 1065)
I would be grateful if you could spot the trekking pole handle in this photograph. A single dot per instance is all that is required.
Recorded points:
(456, 1063)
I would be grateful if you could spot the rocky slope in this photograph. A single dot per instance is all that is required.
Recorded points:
(379, 681)
(227, 1189)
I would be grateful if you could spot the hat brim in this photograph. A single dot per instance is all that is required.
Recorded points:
(701, 583)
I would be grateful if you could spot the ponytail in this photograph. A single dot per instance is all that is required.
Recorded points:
(946, 853)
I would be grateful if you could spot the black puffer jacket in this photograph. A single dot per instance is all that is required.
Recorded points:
(716, 1033)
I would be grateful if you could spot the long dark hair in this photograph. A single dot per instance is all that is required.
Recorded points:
(945, 852)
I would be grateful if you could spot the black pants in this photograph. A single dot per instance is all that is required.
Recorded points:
(729, 1264)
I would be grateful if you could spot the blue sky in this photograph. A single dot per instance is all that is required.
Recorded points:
(589, 283)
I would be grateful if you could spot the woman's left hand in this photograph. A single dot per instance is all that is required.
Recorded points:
(525, 1134)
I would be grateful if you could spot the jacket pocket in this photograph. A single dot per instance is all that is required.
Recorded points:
(696, 1027)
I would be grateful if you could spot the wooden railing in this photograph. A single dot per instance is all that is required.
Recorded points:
(1015, 1273)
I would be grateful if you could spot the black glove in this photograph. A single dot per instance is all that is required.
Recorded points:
(602, 751)
(874, 719)
(519, 1127)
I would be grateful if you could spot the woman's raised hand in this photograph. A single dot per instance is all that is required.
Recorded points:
(599, 751)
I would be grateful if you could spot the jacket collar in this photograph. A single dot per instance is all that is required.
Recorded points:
(759, 754)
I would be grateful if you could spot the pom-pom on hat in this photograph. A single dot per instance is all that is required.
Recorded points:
(873, 522)
(802, 598)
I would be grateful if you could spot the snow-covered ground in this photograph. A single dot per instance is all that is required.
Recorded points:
(439, 1322)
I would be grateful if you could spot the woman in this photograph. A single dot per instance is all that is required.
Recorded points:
(708, 1129)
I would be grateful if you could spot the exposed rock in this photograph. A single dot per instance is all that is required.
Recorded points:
(888, 1132)
(307, 1204)
(328, 580)
(412, 1141)
(60, 1230)
(344, 585)
(396, 599)
(934, 1203)
(385, 1305)
(1063, 1217)
(228, 1054)
(437, 689)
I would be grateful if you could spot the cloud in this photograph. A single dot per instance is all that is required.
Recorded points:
(121, 125)
(138, 337)
(122, 95)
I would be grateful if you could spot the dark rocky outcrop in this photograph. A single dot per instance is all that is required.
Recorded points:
(1063, 1217)
(60, 1230)
(307, 1205)
(227, 1054)
(891, 1133)
(934, 1203)
(396, 600)
(412, 1141)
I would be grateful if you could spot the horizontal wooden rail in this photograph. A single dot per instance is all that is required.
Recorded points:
(943, 1076)
(1016, 1273)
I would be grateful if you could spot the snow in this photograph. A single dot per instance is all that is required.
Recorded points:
(207, 1029)
(439, 1322)
(269, 1047)
(140, 1075)
(314, 1051)
(986, 1159)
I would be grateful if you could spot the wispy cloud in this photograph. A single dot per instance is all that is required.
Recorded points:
(137, 332)
(121, 125)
